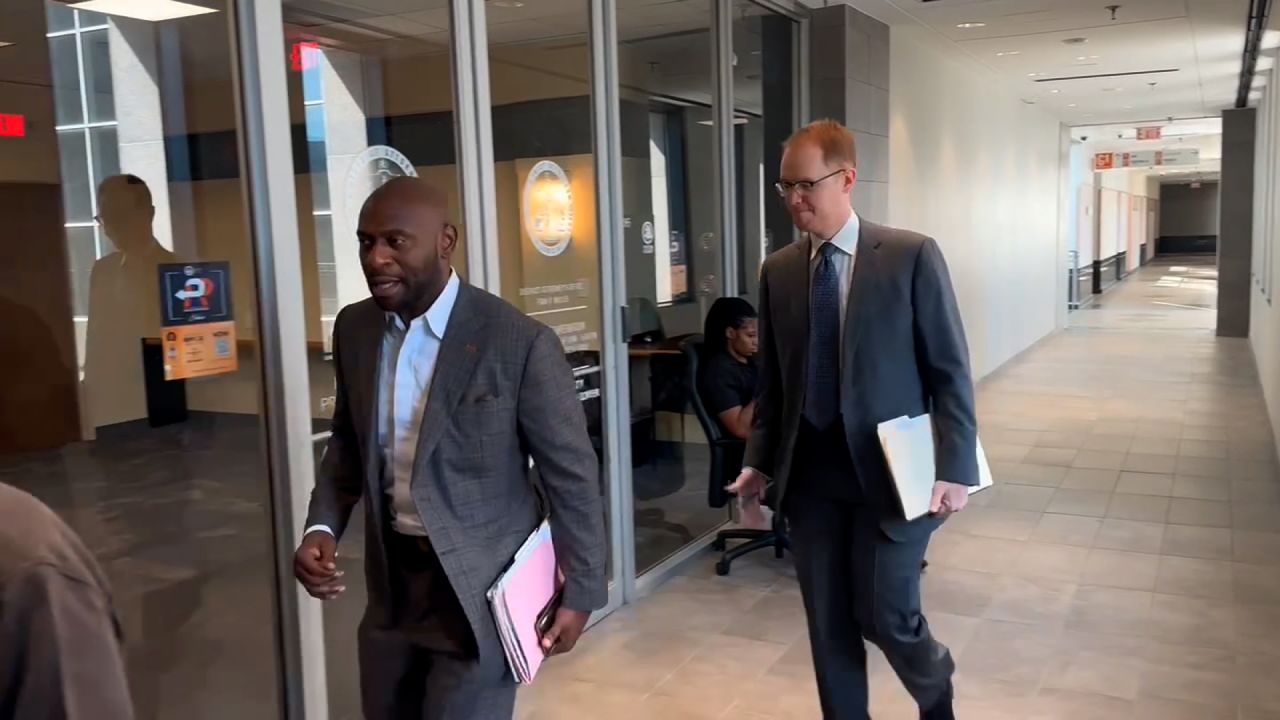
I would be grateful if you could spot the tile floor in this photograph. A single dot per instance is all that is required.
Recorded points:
(1126, 565)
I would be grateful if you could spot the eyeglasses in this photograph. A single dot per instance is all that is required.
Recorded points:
(784, 187)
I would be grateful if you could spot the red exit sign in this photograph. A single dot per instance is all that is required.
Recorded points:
(302, 56)
(14, 126)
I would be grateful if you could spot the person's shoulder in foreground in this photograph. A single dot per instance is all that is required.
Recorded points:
(59, 638)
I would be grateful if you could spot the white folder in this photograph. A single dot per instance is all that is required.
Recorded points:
(909, 450)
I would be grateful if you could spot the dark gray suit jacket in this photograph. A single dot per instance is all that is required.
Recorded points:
(904, 353)
(502, 393)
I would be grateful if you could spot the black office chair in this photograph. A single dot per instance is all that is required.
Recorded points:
(726, 463)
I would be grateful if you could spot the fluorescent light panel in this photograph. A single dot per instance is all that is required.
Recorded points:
(149, 10)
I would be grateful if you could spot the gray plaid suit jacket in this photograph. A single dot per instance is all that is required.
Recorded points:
(502, 393)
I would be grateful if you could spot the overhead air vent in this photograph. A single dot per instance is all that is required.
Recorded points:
(319, 12)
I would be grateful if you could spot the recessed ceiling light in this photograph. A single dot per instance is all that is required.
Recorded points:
(1055, 91)
(149, 10)
(1081, 58)
(1036, 74)
(1113, 89)
(1007, 53)
(1128, 107)
(1071, 105)
(970, 25)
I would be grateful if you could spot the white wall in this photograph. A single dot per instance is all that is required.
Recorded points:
(1134, 182)
(1264, 318)
(1079, 204)
(978, 169)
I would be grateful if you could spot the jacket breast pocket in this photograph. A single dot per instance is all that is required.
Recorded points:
(484, 415)
(475, 451)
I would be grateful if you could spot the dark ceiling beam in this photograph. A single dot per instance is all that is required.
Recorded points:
(1259, 10)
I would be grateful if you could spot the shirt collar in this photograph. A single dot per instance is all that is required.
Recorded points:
(846, 240)
(437, 316)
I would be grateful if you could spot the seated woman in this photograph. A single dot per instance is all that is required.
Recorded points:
(728, 379)
(727, 382)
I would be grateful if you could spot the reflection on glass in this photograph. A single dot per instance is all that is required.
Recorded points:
(162, 478)
(97, 77)
(104, 146)
(76, 185)
(82, 253)
(672, 254)
(548, 232)
(64, 60)
(59, 17)
(124, 310)
(764, 81)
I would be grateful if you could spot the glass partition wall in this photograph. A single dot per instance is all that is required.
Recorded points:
(133, 376)
(594, 185)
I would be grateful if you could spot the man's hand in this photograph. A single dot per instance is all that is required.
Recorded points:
(948, 498)
(316, 567)
(750, 484)
(565, 631)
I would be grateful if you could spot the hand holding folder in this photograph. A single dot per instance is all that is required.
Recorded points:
(909, 451)
(525, 604)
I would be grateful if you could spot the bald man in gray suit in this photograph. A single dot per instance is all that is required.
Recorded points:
(444, 394)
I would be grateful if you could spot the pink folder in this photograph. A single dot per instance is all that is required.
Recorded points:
(519, 596)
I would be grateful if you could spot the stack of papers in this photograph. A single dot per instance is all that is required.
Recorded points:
(908, 448)
(519, 595)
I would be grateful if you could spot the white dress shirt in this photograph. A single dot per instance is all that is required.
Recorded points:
(846, 244)
(408, 364)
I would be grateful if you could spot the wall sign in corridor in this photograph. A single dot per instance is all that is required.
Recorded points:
(198, 331)
(548, 208)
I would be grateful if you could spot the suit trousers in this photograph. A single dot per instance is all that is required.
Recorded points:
(426, 666)
(859, 584)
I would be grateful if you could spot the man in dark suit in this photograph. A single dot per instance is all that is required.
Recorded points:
(858, 325)
(444, 393)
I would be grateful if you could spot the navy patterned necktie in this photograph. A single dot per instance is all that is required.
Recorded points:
(822, 381)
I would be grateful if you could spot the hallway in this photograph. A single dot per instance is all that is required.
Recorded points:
(1126, 565)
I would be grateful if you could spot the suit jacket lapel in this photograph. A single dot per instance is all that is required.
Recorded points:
(866, 278)
(459, 354)
(799, 319)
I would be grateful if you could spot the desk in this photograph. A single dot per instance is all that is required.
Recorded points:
(656, 385)
(167, 399)
(648, 350)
